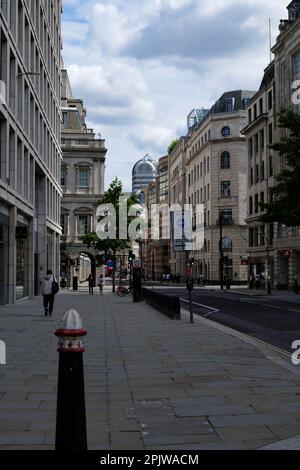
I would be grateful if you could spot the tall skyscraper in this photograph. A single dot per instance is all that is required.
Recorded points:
(144, 172)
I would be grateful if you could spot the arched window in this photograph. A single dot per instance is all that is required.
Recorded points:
(225, 160)
(227, 244)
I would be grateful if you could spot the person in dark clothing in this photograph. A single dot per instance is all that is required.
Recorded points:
(47, 284)
(91, 284)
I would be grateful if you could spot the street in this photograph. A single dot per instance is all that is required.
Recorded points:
(268, 319)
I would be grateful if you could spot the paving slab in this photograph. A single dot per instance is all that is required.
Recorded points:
(151, 383)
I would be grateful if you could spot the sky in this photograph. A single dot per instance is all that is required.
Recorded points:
(142, 65)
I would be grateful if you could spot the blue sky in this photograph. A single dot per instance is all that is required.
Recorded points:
(142, 65)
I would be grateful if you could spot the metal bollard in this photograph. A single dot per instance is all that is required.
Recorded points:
(71, 417)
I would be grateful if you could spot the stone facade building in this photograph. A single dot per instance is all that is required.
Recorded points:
(82, 182)
(261, 170)
(274, 249)
(287, 71)
(30, 155)
(216, 176)
(177, 195)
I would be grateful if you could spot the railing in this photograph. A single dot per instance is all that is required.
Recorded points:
(92, 143)
(166, 304)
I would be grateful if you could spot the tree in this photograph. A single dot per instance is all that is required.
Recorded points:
(285, 205)
(110, 247)
(172, 145)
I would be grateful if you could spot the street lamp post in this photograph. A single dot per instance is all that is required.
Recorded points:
(221, 252)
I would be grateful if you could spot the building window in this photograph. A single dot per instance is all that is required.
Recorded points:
(262, 235)
(256, 143)
(270, 134)
(262, 140)
(226, 131)
(63, 223)
(270, 100)
(225, 215)
(251, 205)
(257, 173)
(262, 170)
(84, 178)
(225, 189)
(256, 204)
(83, 224)
(227, 244)
(63, 179)
(250, 147)
(225, 160)
(261, 106)
(64, 119)
(256, 236)
(271, 169)
(251, 237)
(230, 105)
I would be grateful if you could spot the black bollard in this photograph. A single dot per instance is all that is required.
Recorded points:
(137, 285)
(70, 416)
(190, 287)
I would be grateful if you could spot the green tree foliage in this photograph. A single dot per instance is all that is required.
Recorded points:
(109, 247)
(285, 205)
(172, 145)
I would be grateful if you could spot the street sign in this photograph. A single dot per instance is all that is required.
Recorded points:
(182, 231)
(286, 253)
(136, 264)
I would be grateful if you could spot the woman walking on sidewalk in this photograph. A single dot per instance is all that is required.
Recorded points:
(47, 292)
(100, 284)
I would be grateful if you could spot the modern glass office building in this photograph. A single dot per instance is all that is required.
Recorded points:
(144, 172)
(30, 155)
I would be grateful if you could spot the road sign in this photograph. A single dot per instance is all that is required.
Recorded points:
(286, 253)
(182, 231)
(136, 264)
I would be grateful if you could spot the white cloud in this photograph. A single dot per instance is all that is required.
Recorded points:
(142, 65)
(111, 29)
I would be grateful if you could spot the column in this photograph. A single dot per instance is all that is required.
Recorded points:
(30, 260)
(12, 256)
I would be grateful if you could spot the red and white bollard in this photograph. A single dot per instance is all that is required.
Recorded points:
(71, 417)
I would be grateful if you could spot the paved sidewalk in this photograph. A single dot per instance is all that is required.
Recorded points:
(151, 383)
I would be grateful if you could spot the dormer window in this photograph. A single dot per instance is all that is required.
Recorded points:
(230, 105)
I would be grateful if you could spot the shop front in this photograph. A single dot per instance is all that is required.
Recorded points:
(22, 259)
(4, 247)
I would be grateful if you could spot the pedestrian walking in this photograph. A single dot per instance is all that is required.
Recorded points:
(257, 281)
(49, 289)
(251, 281)
(101, 284)
(91, 284)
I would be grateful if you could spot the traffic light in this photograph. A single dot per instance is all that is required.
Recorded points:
(192, 262)
(131, 257)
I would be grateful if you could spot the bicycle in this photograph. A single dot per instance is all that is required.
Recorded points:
(122, 291)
